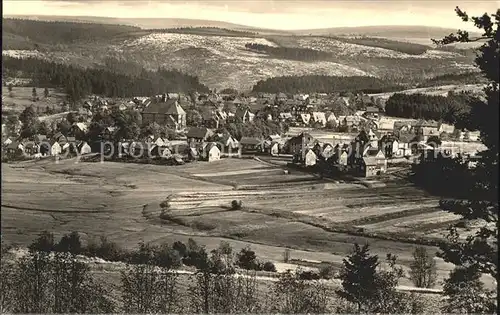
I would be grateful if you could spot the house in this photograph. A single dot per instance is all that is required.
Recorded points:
(39, 138)
(285, 116)
(351, 121)
(249, 145)
(389, 144)
(404, 144)
(79, 130)
(310, 158)
(69, 145)
(15, 148)
(243, 115)
(300, 143)
(369, 167)
(7, 141)
(228, 144)
(109, 132)
(210, 118)
(373, 162)
(198, 134)
(210, 152)
(323, 151)
(53, 149)
(371, 112)
(161, 142)
(367, 137)
(281, 97)
(472, 135)
(305, 118)
(319, 117)
(446, 128)
(385, 124)
(83, 148)
(330, 116)
(165, 112)
(274, 148)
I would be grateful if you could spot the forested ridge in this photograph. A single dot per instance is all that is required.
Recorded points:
(59, 32)
(325, 84)
(78, 82)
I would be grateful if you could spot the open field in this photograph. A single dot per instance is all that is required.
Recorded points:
(298, 211)
(22, 97)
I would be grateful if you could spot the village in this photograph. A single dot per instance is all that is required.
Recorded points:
(319, 136)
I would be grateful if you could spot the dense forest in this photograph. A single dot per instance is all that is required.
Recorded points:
(403, 47)
(324, 84)
(454, 78)
(57, 32)
(291, 53)
(452, 108)
(78, 82)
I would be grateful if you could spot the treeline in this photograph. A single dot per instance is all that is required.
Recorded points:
(454, 79)
(203, 30)
(56, 278)
(78, 82)
(324, 84)
(403, 47)
(292, 53)
(58, 32)
(452, 109)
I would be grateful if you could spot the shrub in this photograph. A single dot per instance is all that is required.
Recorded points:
(165, 204)
(105, 249)
(180, 247)
(70, 243)
(308, 275)
(44, 243)
(196, 255)
(247, 259)
(167, 257)
(327, 272)
(269, 266)
(236, 204)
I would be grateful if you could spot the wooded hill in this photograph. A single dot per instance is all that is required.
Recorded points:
(78, 82)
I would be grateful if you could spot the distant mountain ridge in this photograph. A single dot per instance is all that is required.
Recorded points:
(388, 31)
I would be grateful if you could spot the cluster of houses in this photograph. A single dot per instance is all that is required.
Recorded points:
(387, 138)
(40, 146)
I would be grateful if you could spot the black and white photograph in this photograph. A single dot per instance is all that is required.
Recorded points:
(249, 157)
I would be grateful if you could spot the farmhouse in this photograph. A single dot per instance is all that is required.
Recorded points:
(446, 128)
(166, 112)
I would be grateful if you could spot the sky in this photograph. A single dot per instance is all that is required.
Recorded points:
(277, 14)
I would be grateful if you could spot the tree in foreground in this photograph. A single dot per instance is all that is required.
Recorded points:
(373, 289)
(465, 293)
(481, 249)
(423, 268)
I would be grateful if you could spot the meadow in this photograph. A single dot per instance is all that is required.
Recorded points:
(316, 218)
